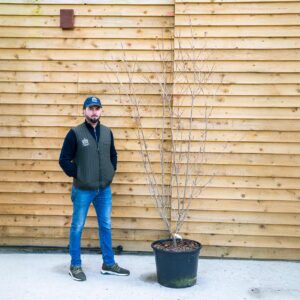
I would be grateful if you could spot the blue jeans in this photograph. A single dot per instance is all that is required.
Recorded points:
(102, 201)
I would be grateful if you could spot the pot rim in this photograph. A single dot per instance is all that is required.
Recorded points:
(175, 252)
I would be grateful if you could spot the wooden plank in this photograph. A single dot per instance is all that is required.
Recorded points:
(40, 159)
(130, 212)
(88, 233)
(142, 2)
(145, 235)
(27, 164)
(228, 147)
(155, 100)
(48, 187)
(242, 205)
(213, 124)
(88, 77)
(85, 66)
(238, 20)
(150, 112)
(230, 1)
(237, 8)
(234, 252)
(29, 159)
(78, 99)
(254, 182)
(132, 134)
(101, 77)
(50, 132)
(121, 32)
(241, 229)
(142, 235)
(239, 136)
(246, 241)
(76, 110)
(93, 21)
(218, 66)
(91, 222)
(275, 253)
(238, 78)
(39, 154)
(154, 145)
(236, 31)
(237, 43)
(281, 206)
(119, 133)
(157, 55)
(237, 101)
(211, 147)
(120, 2)
(242, 217)
(88, 10)
(67, 43)
(250, 252)
(250, 194)
(31, 220)
(180, 89)
(215, 172)
(236, 54)
(64, 199)
(133, 33)
(131, 223)
(85, 55)
(127, 245)
(143, 190)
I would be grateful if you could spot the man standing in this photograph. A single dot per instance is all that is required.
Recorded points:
(89, 156)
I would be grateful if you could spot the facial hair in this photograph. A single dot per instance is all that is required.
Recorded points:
(93, 120)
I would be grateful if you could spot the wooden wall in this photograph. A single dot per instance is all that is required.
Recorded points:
(251, 207)
(46, 73)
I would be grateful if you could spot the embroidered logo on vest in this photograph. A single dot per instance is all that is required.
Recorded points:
(85, 142)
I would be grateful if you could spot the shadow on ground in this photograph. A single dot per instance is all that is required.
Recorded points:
(150, 278)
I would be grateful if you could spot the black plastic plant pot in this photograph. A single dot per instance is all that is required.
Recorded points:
(176, 269)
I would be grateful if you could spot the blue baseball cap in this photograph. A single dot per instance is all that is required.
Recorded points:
(92, 101)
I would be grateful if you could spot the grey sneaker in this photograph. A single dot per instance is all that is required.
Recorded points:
(77, 274)
(114, 270)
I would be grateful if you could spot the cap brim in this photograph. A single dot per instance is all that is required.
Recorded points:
(93, 105)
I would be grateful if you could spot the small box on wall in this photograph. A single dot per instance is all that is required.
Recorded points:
(67, 18)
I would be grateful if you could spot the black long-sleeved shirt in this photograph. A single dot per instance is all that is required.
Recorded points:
(69, 148)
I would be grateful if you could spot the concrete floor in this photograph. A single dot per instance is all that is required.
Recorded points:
(45, 276)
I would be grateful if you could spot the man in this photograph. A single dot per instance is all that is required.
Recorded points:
(89, 156)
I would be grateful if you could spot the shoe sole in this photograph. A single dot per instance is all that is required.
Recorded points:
(74, 278)
(104, 272)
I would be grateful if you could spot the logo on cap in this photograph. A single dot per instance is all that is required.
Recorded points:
(94, 99)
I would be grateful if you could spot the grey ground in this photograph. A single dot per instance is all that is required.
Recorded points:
(29, 276)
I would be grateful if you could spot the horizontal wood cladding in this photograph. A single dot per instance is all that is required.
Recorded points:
(235, 28)
(237, 8)
(89, 10)
(248, 50)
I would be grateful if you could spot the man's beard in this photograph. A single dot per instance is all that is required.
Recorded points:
(93, 120)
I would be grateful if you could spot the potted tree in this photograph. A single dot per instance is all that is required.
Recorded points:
(181, 156)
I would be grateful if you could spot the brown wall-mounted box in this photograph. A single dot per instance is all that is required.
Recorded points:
(67, 18)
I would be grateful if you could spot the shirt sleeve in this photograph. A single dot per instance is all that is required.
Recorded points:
(67, 154)
(113, 153)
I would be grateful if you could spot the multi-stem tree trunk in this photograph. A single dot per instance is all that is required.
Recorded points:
(179, 178)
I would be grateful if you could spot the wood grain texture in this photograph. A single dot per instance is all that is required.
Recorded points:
(250, 208)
